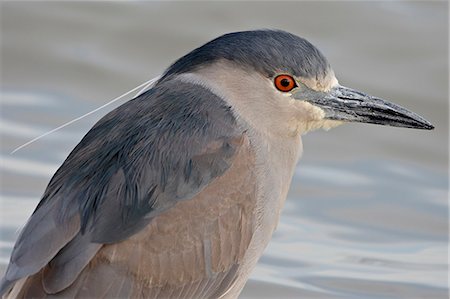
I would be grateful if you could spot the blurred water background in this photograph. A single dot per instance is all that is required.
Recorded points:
(367, 214)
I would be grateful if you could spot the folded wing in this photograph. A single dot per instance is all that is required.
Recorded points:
(159, 149)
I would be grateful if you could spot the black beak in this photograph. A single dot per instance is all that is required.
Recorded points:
(346, 104)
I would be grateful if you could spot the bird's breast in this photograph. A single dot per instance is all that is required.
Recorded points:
(274, 168)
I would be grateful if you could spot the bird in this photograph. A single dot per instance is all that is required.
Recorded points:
(177, 192)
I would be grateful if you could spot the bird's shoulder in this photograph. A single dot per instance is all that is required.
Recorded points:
(151, 152)
(138, 161)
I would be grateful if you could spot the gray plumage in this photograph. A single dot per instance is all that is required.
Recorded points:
(264, 51)
(176, 193)
(136, 162)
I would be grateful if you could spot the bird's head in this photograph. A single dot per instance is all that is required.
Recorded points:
(281, 83)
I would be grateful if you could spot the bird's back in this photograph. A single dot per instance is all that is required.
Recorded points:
(193, 250)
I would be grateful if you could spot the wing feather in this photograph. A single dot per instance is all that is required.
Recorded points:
(136, 163)
(65, 267)
(196, 248)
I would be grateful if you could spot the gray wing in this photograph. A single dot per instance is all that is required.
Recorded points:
(196, 249)
(138, 161)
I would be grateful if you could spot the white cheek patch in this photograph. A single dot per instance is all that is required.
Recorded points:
(309, 118)
(325, 124)
(314, 112)
(330, 124)
(306, 111)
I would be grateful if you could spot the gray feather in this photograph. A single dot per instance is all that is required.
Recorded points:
(65, 267)
(136, 162)
(42, 237)
(264, 51)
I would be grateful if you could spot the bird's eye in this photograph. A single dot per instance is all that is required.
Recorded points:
(284, 83)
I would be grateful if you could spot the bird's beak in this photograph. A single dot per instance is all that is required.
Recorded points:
(346, 104)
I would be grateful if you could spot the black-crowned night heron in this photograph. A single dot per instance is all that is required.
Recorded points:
(176, 193)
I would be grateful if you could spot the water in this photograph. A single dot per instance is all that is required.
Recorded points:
(367, 214)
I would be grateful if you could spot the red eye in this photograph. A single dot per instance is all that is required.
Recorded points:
(284, 83)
